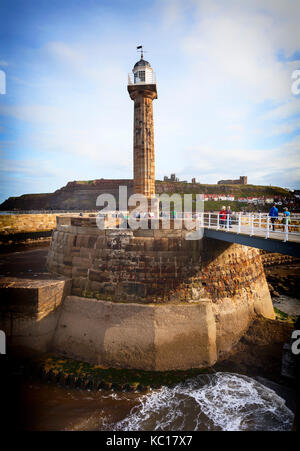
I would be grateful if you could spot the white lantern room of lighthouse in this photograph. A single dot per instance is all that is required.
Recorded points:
(142, 74)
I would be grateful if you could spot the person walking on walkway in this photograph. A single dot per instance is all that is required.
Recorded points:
(228, 216)
(273, 213)
(222, 216)
(286, 217)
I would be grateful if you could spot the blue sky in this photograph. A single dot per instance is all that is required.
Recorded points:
(224, 108)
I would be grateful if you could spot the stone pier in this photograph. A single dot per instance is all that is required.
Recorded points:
(151, 299)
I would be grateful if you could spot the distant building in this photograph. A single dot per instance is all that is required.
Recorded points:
(269, 200)
(172, 178)
(231, 198)
(217, 197)
(241, 181)
(252, 200)
(211, 197)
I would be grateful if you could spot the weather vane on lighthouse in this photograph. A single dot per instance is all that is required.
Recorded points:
(141, 50)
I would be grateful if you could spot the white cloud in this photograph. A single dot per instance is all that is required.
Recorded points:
(222, 91)
(279, 165)
(285, 110)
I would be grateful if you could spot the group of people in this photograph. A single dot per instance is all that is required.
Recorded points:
(225, 217)
(273, 214)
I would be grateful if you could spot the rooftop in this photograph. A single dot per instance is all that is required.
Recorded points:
(142, 63)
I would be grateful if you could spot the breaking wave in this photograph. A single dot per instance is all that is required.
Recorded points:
(222, 401)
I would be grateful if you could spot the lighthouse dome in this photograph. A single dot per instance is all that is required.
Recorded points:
(141, 63)
(142, 73)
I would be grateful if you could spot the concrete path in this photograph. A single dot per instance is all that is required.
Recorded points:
(23, 264)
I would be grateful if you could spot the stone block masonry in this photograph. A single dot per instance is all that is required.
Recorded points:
(10, 224)
(29, 309)
(137, 336)
(273, 259)
(21, 227)
(150, 266)
(164, 284)
(29, 223)
(143, 147)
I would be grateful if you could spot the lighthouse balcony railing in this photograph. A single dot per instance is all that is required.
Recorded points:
(150, 79)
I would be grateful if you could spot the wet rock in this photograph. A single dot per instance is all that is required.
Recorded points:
(288, 368)
(117, 387)
(106, 385)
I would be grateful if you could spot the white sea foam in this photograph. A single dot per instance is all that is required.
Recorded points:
(223, 401)
(115, 396)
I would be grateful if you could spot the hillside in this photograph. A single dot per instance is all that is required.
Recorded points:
(236, 190)
(82, 195)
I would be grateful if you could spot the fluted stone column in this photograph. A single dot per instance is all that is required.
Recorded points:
(143, 138)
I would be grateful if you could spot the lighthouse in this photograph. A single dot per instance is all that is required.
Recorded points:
(142, 90)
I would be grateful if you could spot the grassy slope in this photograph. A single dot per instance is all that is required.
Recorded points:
(236, 190)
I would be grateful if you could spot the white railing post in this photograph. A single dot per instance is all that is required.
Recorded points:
(218, 221)
(227, 219)
(209, 217)
(259, 222)
(240, 220)
(268, 225)
(252, 225)
(286, 231)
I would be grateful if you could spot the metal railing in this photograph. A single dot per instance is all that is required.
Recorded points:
(254, 224)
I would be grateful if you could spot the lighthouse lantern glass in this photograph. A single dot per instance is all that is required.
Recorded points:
(139, 76)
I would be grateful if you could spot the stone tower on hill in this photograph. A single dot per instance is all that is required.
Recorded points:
(142, 90)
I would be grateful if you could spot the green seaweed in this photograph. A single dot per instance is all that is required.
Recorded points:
(284, 316)
(57, 369)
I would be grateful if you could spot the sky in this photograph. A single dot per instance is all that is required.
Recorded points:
(224, 72)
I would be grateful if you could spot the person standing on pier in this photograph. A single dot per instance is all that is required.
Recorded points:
(286, 216)
(222, 216)
(228, 216)
(273, 213)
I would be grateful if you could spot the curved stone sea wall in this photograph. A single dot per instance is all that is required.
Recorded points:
(159, 289)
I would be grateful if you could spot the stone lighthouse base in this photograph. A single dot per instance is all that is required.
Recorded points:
(151, 299)
(149, 337)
